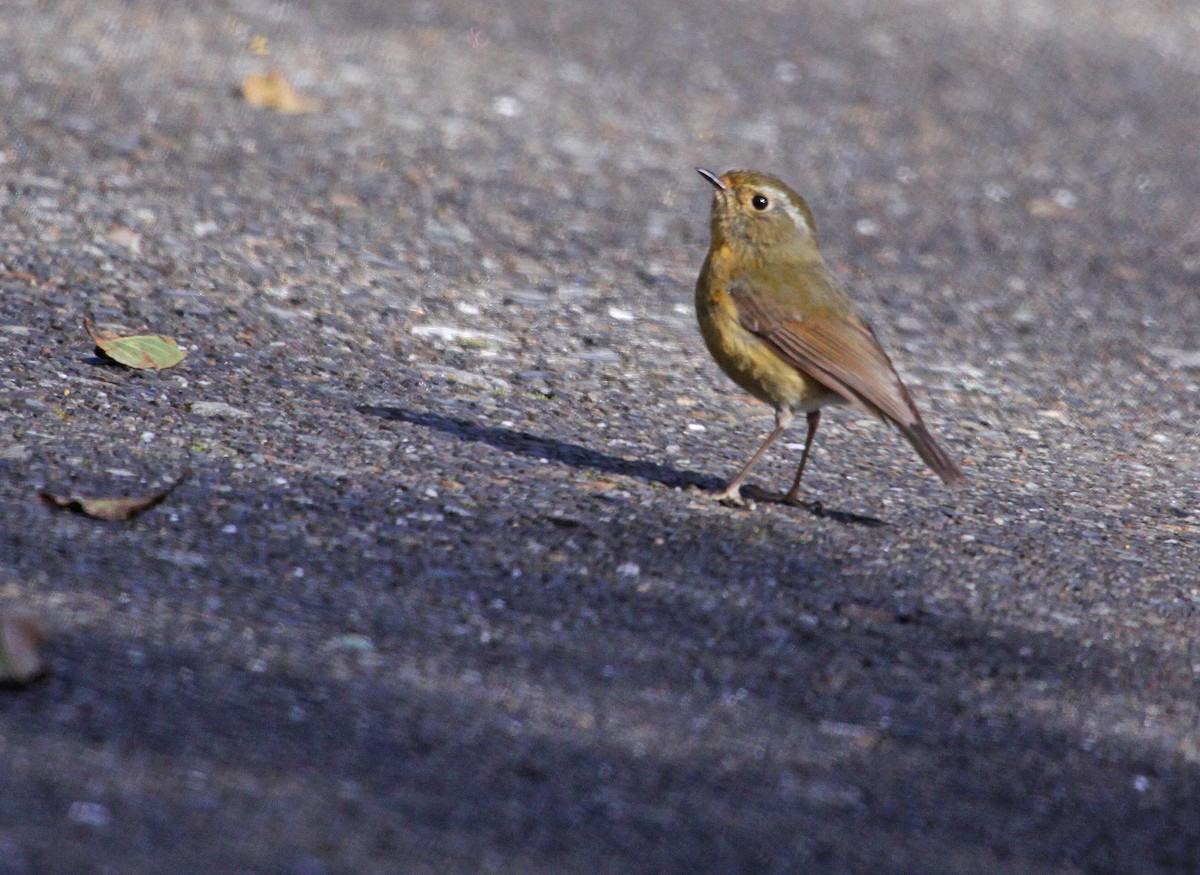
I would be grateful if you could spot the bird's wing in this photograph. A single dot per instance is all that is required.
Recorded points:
(840, 351)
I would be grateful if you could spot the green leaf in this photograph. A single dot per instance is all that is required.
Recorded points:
(138, 351)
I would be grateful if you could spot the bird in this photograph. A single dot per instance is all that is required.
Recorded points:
(780, 326)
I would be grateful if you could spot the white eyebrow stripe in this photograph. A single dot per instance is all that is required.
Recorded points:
(798, 218)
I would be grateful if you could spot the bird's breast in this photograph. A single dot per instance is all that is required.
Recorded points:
(746, 358)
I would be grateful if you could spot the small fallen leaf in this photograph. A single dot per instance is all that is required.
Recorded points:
(137, 351)
(273, 91)
(21, 634)
(111, 509)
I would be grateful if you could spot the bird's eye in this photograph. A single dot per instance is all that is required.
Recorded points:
(759, 202)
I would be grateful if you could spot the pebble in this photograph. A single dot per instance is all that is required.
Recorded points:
(449, 231)
(15, 453)
(91, 814)
(527, 297)
(218, 408)
(1183, 359)
(453, 333)
(831, 795)
(601, 354)
(473, 379)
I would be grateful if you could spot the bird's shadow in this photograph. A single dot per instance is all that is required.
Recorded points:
(577, 456)
(816, 508)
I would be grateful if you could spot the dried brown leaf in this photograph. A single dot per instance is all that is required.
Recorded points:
(21, 634)
(273, 91)
(109, 508)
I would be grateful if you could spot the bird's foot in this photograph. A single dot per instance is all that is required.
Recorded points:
(794, 499)
(732, 497)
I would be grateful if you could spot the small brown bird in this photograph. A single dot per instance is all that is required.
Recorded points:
(779, 325)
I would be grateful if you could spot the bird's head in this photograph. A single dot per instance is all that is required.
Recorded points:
(760, 214)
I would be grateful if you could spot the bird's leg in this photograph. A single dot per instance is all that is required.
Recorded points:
(732, 494)
(793, 494)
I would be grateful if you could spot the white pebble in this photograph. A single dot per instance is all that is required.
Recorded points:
(507, 106)
(89, 814)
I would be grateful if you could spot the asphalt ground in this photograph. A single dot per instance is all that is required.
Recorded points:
(444, 591)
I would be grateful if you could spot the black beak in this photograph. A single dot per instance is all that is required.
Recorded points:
(711, 177)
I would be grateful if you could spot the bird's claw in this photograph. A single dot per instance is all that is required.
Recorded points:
(812, 506)
(733, 498)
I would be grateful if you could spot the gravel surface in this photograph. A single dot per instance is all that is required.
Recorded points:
(443, 591)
